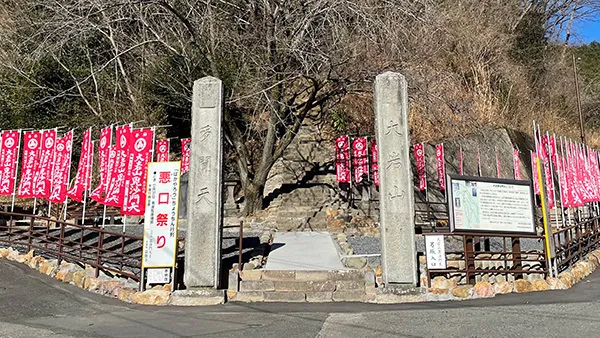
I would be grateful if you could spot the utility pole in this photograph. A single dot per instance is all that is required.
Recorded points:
(582, 132)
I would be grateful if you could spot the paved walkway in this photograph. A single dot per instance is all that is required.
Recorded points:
(35, 305)
(303, 251)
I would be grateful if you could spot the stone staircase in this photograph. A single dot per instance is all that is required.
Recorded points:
(302, 208)
(302, 286)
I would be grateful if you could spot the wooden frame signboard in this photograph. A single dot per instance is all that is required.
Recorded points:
(492, 205)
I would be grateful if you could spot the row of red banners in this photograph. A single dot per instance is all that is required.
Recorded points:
(577, 167)
(419, 154)
(46, 163)
(360, 160)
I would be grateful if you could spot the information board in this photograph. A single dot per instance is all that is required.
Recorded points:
(160, 218)
(490, 205)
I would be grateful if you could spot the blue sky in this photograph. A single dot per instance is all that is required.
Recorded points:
(587, 30)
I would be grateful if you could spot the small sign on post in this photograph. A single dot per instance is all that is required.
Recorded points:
(158, 275)
(436, 252)
(160, 220)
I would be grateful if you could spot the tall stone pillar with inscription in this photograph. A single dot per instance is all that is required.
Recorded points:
(398, 251)
(204, 212)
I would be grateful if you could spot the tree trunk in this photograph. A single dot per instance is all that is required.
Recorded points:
(253, 196)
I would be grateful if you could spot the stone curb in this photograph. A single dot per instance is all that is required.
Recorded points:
(120, 288)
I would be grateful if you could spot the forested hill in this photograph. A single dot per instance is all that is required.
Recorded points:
(470, 64)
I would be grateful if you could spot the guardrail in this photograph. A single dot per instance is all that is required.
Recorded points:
(573, 242)
(107, 251)
(478, 261)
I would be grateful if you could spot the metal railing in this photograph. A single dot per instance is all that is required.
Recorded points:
(573, 242)
(110, 252)
(511, 259)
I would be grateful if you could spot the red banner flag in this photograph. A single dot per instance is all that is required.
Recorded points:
(576, 198)
(42, 180)
(360, 161)
(9, 154)
(140, 154)
(342, 159)
(185, 155)
(104, 156)
(419, 153)
(116, 186)
(76, 191)
(517, 164)
(562, 182)
(31, 147)
(162, 151)
(62, 164)
(543, 148)
(583, 176)
(375, 161)
(441, 165)
(534, 174)
(460, 161)
(552, 150)
(595, 173)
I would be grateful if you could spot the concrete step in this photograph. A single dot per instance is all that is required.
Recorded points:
(305, 286)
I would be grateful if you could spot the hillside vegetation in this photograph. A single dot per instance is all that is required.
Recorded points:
(470, 64)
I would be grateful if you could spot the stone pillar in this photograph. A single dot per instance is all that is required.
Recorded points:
(204, 206)
(230, 202)
(398, 251)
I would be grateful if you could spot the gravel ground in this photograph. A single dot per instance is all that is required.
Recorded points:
(372, 245)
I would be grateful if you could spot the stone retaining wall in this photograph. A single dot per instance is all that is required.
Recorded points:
(297, 286)
(121, 288)
(449, 288)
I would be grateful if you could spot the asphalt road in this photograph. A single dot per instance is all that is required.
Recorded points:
(34, 305)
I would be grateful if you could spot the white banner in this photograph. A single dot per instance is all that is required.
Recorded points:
(160, 218)
(436, 252)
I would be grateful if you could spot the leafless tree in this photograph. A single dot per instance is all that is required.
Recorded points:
(284, 61)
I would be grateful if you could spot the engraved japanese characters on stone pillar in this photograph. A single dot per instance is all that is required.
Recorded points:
(398, 251)
(204, 212)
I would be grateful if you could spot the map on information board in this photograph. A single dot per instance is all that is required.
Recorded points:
(490, 205)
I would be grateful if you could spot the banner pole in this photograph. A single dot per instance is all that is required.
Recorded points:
(547, 234)
(351, 157)
(104, 217)
(85, 189)
(126, 188)
(478, 162)
(552, 179)
(444, 171)
(68, 178)
(14, 192)
(108, 172)
(52, 165)
(559, 171)
(461, 160)
(34, 204)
